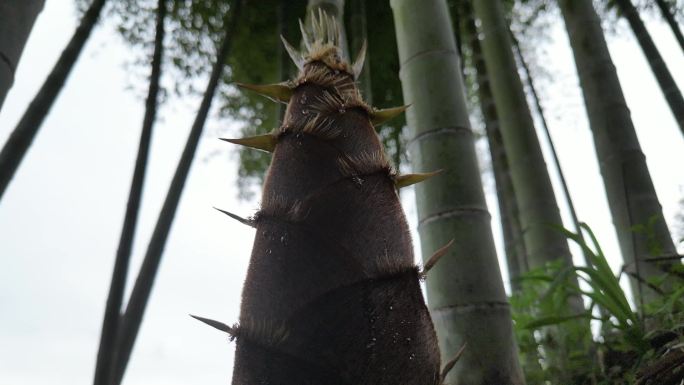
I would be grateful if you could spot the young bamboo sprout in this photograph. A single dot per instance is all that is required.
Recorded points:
(332, 295)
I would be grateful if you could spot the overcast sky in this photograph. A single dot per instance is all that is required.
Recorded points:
(60, 218)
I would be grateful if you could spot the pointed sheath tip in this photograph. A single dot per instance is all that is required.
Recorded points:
(379, 117)
(452, 362)
(278, 92)
(432, 261)
(357, 67)
(215, 324)
(295, 55)
(260, 142)
(305, 36)
(238, 218)
(409, 179)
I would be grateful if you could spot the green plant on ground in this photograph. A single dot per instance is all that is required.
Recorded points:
(631, 347)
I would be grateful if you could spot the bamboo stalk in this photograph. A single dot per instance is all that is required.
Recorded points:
(465, 291)
(21, 138)
(132, 317)
(666, 11)
(631, 195)
(110, 324)
(667, 84)
(18, 18)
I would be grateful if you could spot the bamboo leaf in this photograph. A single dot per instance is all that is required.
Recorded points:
(553, 320)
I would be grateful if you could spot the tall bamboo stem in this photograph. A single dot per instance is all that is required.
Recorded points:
(110, 324)
(465, 291)
(631, 196)
(21, 138)
(132, 317)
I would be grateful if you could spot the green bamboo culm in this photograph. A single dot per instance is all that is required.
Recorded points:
(636, 211)
(332, 295)
(516, 255)
(538, 209)
(465, 292)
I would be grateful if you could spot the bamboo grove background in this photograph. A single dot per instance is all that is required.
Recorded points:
(496, 101)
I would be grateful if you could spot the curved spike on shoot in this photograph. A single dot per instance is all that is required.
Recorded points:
(231, 331)
(324, 30)
(260, 142)
(296, 57)
(379, 117)
(332, 25)
(336, 32)
(409, 179)
(452, 362)
(320, 24)
(357, 67)
(316, 27)
(238, 218)
(432, 261)
(306, 38)
(278, 92)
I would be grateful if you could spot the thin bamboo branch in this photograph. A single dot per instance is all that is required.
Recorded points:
(110, 324)
(19, 141)
(132, 318)
(666, 11)
(667, 84)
